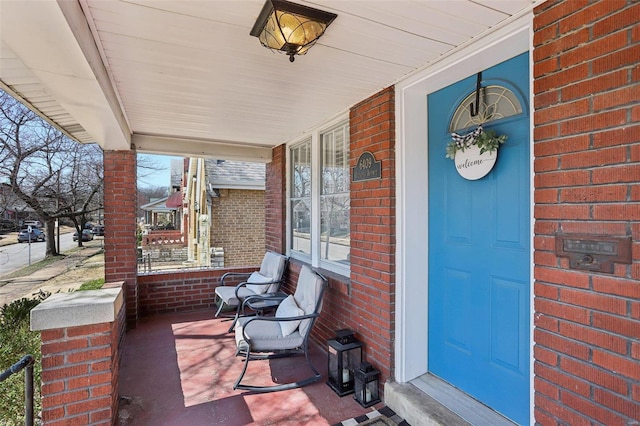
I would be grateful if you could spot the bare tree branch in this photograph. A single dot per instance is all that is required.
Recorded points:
(55, 176)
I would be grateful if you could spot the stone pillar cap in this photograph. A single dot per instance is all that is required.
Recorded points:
(79, 308)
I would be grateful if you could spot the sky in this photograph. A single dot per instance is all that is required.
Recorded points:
(158, 178)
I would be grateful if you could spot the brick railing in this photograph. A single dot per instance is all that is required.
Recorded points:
(156, 238)
(81, 334)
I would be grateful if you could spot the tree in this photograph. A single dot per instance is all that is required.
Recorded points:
(54, 175)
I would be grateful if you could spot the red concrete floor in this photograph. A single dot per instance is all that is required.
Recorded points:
(180, 370)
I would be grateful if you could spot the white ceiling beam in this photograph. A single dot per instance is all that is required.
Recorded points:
(78, 24)
(184, 147)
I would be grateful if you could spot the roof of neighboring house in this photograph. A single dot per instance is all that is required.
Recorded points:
(175, 200)
(158, 205)
(227, 174)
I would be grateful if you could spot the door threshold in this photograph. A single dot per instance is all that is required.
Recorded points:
(459, 402)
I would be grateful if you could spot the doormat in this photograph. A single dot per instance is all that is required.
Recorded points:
(382, 417)
(379, 421)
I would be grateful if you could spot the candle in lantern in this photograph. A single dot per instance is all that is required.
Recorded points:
(367, 395)
(345, 375)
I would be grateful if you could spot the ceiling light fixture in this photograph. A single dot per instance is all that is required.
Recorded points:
(290, 28)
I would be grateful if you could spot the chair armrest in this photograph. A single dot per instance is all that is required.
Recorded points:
(276, 297)
(266, 297)
(299, 317)
(234, 274)
(244, 284)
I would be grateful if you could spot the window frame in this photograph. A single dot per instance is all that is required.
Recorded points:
(315, 136)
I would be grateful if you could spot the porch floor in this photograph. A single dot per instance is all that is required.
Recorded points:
(180, 370)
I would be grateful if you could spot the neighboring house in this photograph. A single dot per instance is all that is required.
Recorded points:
(225, 211)
(221, 215)
(236, 191)
(519, 288)
(163, 213)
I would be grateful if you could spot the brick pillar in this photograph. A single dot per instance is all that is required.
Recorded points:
(275, 201)
(80, 363)
(120, 240)
(587, 169)
(373, 242)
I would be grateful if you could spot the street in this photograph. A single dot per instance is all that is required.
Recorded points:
(16, 256)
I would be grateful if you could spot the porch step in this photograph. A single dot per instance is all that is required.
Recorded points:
(418, 408)
(429, 401)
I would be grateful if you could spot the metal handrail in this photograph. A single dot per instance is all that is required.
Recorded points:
(25, 363)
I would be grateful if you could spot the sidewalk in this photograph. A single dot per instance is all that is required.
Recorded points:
(67, 273)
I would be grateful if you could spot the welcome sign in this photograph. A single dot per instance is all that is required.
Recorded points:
(472, 165)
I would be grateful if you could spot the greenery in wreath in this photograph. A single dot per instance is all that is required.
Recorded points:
(487, 141)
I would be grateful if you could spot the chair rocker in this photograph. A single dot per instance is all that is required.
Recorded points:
(285, 334)
(263, 282)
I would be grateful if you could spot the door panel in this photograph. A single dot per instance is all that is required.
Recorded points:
(479, 236)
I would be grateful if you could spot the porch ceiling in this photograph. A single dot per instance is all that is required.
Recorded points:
(185, 77)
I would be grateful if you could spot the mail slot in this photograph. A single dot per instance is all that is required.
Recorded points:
(598, 253)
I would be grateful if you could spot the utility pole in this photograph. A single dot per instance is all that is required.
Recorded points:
(57, 211)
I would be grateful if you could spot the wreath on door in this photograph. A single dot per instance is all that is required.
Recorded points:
(487, 141)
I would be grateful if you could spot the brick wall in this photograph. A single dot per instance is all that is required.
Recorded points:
(238, 219)
(371, 308)
(182, 291)
(80, 374)
(120, 254)
(587, 169)
(275, 201)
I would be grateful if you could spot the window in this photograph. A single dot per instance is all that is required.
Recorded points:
(300, 202)
(334, 199)
(319, 199)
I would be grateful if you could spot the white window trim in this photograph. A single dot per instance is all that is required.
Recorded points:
(314, 259)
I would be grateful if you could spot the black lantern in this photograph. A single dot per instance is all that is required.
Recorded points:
(367, 383)
(345, 355)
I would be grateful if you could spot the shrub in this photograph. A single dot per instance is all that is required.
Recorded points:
(17, 340)
(92, 285)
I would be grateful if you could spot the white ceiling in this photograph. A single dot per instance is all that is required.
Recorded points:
(185, 77)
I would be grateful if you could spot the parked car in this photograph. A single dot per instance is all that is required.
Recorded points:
(36, 235)
(33, 223)
(87, 235)
(98, 230)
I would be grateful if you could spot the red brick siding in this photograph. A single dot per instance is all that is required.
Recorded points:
(120, 255)
(238, 218)
(80, 373)
(371, 305)
(275, 201)
(587, 169)
(181, 291)
(365, 303)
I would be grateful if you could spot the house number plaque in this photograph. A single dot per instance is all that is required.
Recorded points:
(367, 168)
(596, 253)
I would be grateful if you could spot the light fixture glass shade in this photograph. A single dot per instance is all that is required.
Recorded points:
(290, 28)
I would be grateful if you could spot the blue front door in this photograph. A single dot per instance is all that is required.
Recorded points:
(479, 236)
